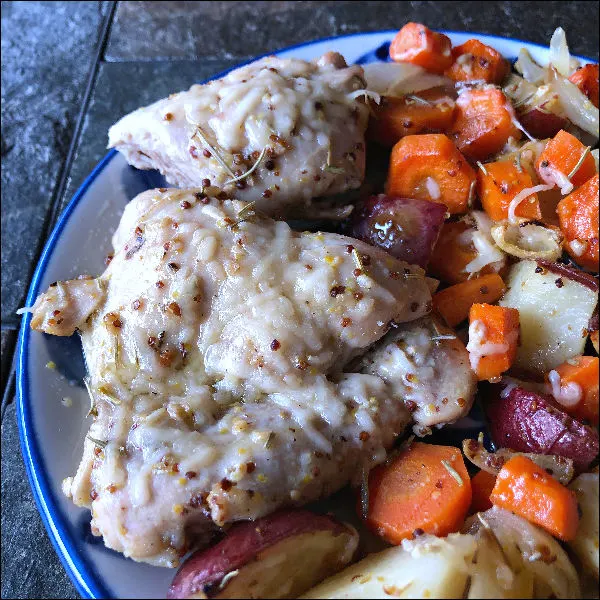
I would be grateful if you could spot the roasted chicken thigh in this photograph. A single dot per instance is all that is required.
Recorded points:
(216, 342)
(277, 132)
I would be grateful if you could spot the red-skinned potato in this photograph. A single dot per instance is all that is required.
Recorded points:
(541, 123)
(279, 556)
(407, 228)
(528, 421)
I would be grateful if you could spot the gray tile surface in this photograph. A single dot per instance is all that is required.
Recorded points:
(42, 87)
(30, 567)
(121, 88)
(8, 338)
(194, 30)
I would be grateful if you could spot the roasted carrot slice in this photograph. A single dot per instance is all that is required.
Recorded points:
(394, 118)
(498, 183)
(454, 302)
(564, 161)
(484, 122)
(578, 216)
(418, 45)
(425, 487)
(575, 387)
(482, 485)
(474, 61)
(429, 167)
(453, 252)
(586, 79)
(493, 338)
(528, 491)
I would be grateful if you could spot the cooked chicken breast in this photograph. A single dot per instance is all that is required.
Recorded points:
(277, 132)
(216, 343)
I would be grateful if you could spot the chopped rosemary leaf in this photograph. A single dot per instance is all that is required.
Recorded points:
(480, 165)
(198, 133)
(518, 162)
(436, 338)
(364, 493)
(249, 171)
(418, 99)
(269, 442)
(579, 162)
(99, 443)
(245, 209)
(453, 473)
(329, 167)
(93, 411)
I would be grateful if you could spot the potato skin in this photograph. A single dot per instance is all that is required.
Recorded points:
(527, 421)
(203, 573)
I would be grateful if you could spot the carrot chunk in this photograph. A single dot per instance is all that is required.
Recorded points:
(418, 45)
(498, 183)
(425, 487)
(483, 123)
(493, 337)
(454, 302)
(528, 491)
(451, 254)
(578, 216)
(565, 159)
(482, 485)
(575, 387)
(429, 167)
(474, 61)
(428, 111)
(586, 79)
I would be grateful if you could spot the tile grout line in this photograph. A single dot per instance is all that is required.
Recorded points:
(60, 189)
(57, 193)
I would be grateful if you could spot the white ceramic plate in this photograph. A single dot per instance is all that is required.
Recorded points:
(51, 433)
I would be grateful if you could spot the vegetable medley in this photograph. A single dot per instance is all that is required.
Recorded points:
(508, 152)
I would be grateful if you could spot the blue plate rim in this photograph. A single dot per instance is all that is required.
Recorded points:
(85, 579)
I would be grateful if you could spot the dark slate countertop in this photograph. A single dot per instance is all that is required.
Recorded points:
(70, 69)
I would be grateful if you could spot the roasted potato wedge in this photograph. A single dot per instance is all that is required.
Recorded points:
(279, 556)
(428, 567)
(554, 312)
